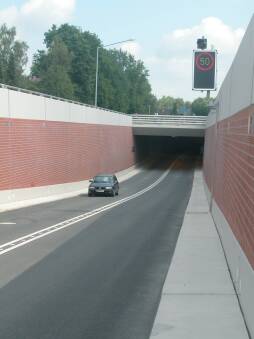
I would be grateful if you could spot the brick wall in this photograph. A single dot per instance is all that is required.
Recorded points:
(229, 170)
(229, 174)
(39, 153)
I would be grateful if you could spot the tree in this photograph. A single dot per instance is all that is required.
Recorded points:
(152, 104)
(165, 105)
(200, 107)
(13, 57)
(82, 47)
(178, 104)
(113, 84)
(52, 69)
(123, 81)
(139, 89)
(174, 106)
(40, 64)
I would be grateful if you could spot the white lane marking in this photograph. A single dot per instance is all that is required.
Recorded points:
(11, 245)
(7, 223)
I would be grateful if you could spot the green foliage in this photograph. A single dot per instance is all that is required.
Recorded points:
(200, 106)
(67, 69)
(165, 105)
(82, 48)
(122, 83)
(129, 81)
(53, 71)
(174, 106)
(39, 65)
(13, 57)
(178, 103)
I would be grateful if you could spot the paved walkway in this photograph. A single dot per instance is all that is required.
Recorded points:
(198, 299)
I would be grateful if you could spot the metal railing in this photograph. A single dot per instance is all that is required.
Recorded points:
(169, 120)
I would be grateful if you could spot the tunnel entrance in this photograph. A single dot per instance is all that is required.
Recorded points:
(153, 147)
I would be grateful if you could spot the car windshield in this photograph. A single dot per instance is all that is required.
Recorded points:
(103, 179)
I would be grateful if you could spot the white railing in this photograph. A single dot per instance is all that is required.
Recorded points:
(169, 120)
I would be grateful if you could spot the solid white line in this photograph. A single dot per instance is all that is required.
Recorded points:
(11, 245)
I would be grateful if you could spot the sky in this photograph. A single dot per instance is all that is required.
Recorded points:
(164, 31)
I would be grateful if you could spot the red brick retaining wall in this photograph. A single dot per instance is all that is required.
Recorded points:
(229, 174)
(39, 153)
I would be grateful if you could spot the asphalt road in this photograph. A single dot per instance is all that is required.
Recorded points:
(100, 278)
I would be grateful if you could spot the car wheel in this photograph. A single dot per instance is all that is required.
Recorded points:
(113, 193)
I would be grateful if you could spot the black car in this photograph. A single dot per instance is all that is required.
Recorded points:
(106, 184)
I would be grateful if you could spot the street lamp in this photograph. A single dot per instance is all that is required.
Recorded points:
(97, 66)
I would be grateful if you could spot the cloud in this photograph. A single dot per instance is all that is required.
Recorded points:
(34, 17)
(170, 76)
(171, 67)
(223, 37)
(55, 11)
(132, 47)
(9, 15)
(40, 12)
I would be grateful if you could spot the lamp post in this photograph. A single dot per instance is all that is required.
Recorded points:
(97, 66)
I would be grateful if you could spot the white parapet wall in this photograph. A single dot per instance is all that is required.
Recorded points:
(26, 105)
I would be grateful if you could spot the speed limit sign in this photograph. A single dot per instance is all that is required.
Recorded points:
(204, 69)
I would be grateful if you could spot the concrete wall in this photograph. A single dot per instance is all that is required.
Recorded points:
(229, 171)
(46, 143)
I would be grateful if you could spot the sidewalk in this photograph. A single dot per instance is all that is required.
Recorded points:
(198, 299)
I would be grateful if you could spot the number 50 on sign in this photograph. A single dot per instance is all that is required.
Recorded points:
(204, 70)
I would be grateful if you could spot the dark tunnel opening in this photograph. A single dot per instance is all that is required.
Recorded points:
(158, 148)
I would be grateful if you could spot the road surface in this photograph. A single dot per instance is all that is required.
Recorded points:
(98, 278)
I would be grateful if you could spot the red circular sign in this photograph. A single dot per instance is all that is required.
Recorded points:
(205, 61)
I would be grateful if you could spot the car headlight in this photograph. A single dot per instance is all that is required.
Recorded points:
(92, 188)
(108, 188)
